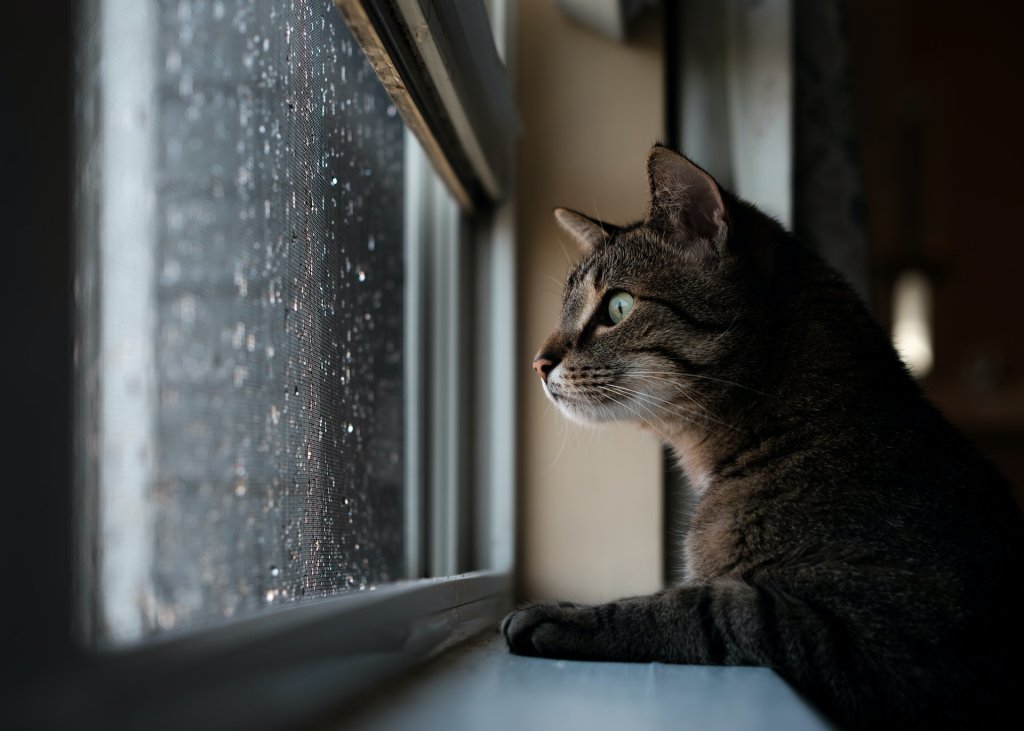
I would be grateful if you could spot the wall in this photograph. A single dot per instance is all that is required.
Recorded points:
(589, 499)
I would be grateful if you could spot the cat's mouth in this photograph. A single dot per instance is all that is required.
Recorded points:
(580, 408)
(553, 394)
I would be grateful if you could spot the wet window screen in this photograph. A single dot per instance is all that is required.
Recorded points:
(244, 272)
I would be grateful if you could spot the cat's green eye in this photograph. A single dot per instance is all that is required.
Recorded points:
(619, 305)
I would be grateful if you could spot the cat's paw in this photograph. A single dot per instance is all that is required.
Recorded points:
(537, 629)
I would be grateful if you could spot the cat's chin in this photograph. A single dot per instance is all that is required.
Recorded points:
(584, 413)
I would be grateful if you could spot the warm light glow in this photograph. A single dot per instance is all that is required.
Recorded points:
(912, 321)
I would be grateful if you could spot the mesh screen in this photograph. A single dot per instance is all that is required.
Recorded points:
(277, 419)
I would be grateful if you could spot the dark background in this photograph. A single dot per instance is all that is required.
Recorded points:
(35, 195)
(937, 90)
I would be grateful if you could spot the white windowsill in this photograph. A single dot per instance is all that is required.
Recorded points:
(479, 685)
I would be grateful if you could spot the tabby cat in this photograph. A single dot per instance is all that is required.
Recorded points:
(845, 534)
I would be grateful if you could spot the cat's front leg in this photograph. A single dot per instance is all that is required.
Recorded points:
(530, 629)
(575, 631)
(721, 622)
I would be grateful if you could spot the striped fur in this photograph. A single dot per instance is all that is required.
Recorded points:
(845, 535)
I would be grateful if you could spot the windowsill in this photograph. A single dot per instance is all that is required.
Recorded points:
(269, 671)
(481, 685)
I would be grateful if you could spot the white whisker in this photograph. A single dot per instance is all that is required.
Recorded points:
(636, 413)
(704, 413)
(565, 438)
(678, 375)
(680, 388)
(672, 414)
(564, 250)
(729, 329)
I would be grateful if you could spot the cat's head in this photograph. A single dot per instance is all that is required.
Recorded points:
(655, 314)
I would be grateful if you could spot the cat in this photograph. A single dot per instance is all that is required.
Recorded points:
(845, 534)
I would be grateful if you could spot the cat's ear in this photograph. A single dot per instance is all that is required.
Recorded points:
(588, 233)
(686, 202)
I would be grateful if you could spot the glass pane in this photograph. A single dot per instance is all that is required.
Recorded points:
(272, 428)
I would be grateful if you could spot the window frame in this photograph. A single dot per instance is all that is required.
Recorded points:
(349, 642)
(285, 666)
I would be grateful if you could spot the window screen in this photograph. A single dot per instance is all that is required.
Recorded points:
(241, 313)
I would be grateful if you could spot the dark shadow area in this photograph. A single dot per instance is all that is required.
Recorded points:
(35, 119)
(936, 102)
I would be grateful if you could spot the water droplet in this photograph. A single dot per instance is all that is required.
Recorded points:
(187, 308)
(362, 276)
(173, 62)
(172, 271)
(334, 181)
(351, 428)
(240, 488)
(242, 283)
(274, 571)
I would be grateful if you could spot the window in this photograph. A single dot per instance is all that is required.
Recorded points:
(291, 334)
(248, 302)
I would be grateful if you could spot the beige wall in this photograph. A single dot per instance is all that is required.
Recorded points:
(590, 498)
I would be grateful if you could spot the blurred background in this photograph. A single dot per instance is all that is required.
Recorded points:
(935, 116)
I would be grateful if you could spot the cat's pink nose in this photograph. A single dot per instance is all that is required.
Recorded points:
(543, 364)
